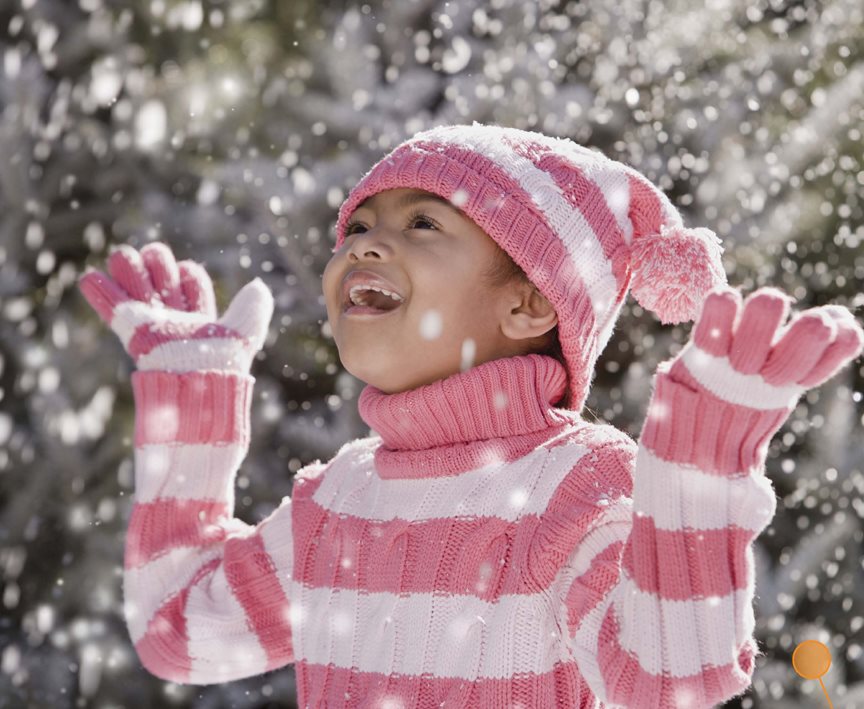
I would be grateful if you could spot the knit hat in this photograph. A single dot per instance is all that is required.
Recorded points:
(583, 227)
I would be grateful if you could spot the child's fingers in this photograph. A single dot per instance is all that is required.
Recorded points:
(800, 347)
(763, 313)
(164, 274)
(250, 312)
(846, 346)
(713, 330)
(103, 294)
(127, 268)
(197, 288)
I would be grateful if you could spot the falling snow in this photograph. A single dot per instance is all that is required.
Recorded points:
(233, 131)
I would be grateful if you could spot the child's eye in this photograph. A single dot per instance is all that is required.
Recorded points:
(413, 219)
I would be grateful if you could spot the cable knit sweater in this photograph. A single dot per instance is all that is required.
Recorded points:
(481, 549)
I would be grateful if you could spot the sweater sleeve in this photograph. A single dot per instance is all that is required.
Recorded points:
(205, 595)
(658, 593)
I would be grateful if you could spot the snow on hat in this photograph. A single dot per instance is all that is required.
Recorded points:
(583, 227)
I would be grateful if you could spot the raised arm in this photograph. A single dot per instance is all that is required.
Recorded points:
(205, 595)
(659, 606)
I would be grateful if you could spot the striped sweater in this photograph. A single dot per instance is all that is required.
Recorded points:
(481, 548)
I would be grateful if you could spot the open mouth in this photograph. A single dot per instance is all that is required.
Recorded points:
(368, 310)
(372, 302)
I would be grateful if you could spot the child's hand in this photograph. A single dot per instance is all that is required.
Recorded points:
(745, 357)
(164, 312)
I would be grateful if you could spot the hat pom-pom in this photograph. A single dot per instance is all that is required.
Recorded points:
(674, 271)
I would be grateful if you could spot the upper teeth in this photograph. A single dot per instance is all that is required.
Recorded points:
(356, 289)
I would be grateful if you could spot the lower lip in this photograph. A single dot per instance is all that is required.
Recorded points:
(366, 311)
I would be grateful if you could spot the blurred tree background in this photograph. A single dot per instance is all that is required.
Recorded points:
(233, 130)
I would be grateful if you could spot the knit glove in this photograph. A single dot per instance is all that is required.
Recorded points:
(733, 385)
(164, 312)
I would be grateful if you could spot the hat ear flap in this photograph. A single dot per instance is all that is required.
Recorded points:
(673, 271)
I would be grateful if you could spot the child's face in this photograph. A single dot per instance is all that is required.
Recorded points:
(435, 257)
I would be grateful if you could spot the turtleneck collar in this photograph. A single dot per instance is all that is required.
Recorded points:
(496, 411)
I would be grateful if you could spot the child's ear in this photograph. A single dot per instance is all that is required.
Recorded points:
(533, 317)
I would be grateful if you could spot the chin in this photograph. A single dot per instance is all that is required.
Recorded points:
(385, 381)
(367, 374)
(389, 375)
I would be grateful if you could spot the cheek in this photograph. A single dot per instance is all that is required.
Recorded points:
(328, 276)
(450, 312)
(329, 265)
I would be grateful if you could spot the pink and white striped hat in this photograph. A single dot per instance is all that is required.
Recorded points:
(583, 227)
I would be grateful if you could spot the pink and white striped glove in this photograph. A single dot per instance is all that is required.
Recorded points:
(740, 376)
(164, 312)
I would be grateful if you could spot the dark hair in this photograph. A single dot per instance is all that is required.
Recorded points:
(503, 271)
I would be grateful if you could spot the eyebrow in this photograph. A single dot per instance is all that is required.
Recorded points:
(412, 198)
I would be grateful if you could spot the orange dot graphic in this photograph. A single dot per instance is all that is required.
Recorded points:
(811, 660)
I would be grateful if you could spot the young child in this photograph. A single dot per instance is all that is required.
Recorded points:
(486, 547)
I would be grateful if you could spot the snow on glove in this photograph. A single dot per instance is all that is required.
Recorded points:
(164, 312)
(739, 377)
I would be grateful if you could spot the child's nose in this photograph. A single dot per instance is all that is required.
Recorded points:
(375, 240)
